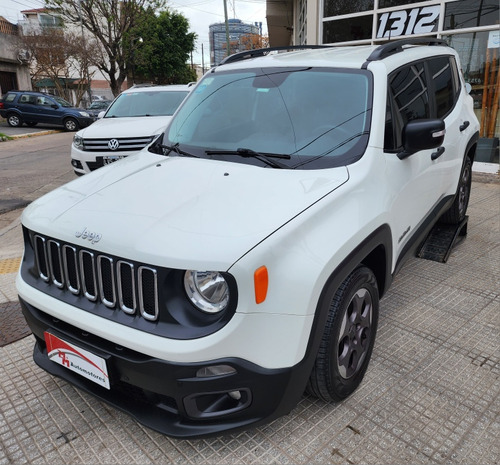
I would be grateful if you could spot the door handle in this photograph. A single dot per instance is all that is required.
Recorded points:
(437, 153)
(464, 126)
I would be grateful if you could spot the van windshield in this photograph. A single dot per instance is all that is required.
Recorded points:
(153, 102)
(318, 116)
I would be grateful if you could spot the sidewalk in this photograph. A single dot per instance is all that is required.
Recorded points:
(431, 394)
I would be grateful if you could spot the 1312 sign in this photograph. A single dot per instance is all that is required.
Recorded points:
(408, 22)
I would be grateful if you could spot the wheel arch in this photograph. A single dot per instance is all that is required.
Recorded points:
(375, 252)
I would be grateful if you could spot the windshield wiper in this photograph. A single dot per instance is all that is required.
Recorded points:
(264, 157)
(175, 148)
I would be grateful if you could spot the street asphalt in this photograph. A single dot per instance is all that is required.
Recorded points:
(431, 394)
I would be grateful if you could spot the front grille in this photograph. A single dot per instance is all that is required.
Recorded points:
(125, 144)
(118, 284)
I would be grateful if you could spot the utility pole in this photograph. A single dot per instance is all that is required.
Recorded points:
(86, 58)
(227, 28)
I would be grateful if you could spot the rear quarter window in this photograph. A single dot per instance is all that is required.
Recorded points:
(441, 74)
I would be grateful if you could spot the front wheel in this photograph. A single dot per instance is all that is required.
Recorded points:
(456, 213)
(348, 339)
(70, 124)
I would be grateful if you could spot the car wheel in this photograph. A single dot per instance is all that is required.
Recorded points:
(70, 124)
(456, 213)
(31, 124)
(14, 121)
(348, 339)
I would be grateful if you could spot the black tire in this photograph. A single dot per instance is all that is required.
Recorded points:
(456, 213)
(14, 120)
(71, 124)
(31, 124)
(348, 339)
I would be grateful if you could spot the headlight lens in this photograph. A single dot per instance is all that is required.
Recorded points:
(84, 114)
(207, 290)
(77, 141)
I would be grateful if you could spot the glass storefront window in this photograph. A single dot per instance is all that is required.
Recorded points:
(390, 3)
(480, 65)
(471, 13)
(344, 30)
(344, 7)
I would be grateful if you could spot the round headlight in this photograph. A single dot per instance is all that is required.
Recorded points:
(207, 290)
(77, 141)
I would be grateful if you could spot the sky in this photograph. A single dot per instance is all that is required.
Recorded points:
(200, 13)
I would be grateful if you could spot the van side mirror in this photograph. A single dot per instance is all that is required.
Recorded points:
(422, 134)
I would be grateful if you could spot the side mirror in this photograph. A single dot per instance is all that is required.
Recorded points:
(55, 106)
(422, 134)
(468, 87)
(101, 114)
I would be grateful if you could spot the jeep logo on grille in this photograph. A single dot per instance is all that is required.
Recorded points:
(113, 144)
(90, 236)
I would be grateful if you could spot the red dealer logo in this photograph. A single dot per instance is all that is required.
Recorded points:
(77, 359)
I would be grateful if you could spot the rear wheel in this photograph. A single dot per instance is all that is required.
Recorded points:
(456, 213)
(14, 120)
(70, 124)
(348, 339)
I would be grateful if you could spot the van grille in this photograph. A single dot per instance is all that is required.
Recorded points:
(125, 144)
(116, 283)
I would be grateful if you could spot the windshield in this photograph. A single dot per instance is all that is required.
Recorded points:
(61, 101)
(320, 117)
(150, 103)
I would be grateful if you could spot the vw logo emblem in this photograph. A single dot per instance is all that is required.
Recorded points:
(113, 144)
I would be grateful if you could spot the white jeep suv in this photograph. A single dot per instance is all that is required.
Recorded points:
(204, 284)
(131, 122)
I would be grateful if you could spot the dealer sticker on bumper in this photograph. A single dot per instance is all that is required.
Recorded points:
(76, 359)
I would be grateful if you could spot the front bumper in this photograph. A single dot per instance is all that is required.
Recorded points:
(169, 397)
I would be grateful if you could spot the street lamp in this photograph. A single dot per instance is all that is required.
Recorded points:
(132, 55)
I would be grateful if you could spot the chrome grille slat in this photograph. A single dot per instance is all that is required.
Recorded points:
(97, 277)
(41, 259)
(55, 263)
(87, 270)
(148, 301)
(124, 299)
(106, 283)
(71, 269)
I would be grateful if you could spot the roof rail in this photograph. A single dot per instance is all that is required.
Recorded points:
(245, 55)
(396, 46)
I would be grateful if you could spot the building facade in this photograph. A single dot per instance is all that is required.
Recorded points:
(14, 70)
(240, 34)
(470, 26)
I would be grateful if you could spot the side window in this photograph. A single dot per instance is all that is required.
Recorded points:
(440, 71)
(408, 100)
(409, 91)
(10, 97)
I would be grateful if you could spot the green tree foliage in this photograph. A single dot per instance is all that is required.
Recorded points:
(161, 56)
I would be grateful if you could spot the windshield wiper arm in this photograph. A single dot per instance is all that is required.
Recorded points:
(264, 157)
(175, 148)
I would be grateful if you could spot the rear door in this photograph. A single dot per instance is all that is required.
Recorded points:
(26, 104)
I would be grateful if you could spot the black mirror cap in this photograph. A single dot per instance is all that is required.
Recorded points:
(422, 134)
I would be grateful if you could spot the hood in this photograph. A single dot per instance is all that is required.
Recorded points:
(125, 127)
(178, 212)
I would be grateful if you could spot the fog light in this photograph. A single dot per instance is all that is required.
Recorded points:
(215, 370)
(236, 395)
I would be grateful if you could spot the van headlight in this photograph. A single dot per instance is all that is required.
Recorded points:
(77, 141)
(207, 290)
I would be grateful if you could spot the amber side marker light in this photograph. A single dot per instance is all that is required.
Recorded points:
(261, 282)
